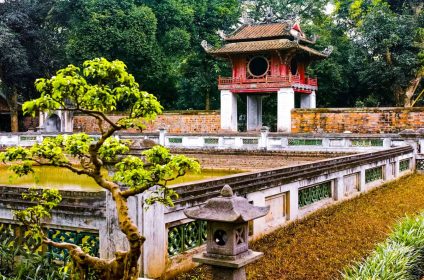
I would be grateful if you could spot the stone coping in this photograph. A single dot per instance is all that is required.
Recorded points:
(81, 202)
(200, 191)
(289, 135)
(171, 112)
(256, 152)
(360, 110)
(225, 134)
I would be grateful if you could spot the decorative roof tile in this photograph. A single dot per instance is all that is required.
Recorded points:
(266, 45)
(260, 31)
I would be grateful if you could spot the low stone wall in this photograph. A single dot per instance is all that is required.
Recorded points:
(357, 120)
(174, 122)
(291, 192)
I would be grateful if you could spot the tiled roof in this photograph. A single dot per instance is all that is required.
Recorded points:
(267, 45)
(258, 31)
(312, 51)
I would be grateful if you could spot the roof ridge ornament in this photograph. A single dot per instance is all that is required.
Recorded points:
(269, 15)
(206, 46)
(328, 50)
(221, 34)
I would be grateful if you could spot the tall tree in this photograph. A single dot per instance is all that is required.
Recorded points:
(388, 39)
(28, 48)
(182, 25)
(305, 10)
(335, 76)
(95, 89)
(123, 30)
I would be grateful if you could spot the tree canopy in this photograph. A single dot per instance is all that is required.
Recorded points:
(158, 40)
(28, 49)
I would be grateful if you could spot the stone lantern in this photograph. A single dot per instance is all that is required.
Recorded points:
(227, 249)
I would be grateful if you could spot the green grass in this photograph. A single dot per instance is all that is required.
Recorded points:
(326, 242)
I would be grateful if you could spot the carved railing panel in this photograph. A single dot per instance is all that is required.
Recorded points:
(186, 236)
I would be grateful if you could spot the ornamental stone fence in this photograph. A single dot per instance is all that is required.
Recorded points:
(262, 141)
(171, 238)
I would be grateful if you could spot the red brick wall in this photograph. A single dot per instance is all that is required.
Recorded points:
(357, 120)
(182, 122)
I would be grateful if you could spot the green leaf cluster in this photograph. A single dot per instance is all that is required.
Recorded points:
(99, 86)
(153, 173)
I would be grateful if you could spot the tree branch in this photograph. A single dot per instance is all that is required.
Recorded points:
(132, 192)
(78, 255)
(67, 166)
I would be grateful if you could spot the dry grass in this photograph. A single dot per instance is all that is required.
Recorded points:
(320, 246)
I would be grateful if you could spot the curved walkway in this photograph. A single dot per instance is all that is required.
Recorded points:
(321, 245)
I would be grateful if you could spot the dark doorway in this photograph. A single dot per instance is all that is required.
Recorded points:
(5, 122)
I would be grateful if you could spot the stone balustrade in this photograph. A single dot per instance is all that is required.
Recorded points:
(341, 142)
(171, 238)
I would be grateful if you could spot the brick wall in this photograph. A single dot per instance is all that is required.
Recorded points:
(357, 120)
(180, 122)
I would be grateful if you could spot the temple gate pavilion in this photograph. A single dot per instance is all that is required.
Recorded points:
(266, 58)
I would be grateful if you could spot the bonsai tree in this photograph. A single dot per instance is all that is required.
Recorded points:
(95, 89)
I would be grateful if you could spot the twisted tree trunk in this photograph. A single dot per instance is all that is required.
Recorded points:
(410, 90)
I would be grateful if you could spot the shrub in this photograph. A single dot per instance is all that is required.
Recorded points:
(18, 263)
(401, 256)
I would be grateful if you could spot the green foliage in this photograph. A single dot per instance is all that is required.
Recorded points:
(190, 74)
(99, 86)
(96, 88)
(385, 53)
(393, 261)
(400, 257)
(289, 9)
(29, 46)
(159, 168)
(335, 76)
(33, 217)
(77, 145)
(23, 261)
(120, 30)
(19, 264)
(385, 57)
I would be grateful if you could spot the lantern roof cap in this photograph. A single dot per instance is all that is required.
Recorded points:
(227, 208)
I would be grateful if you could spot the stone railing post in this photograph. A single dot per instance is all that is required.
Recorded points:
(339, 188)
(162, 133)
(387, 143)
(155, 247)
(411, 138)
(263, 142)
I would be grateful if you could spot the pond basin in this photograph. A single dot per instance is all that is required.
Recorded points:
(63, 179)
